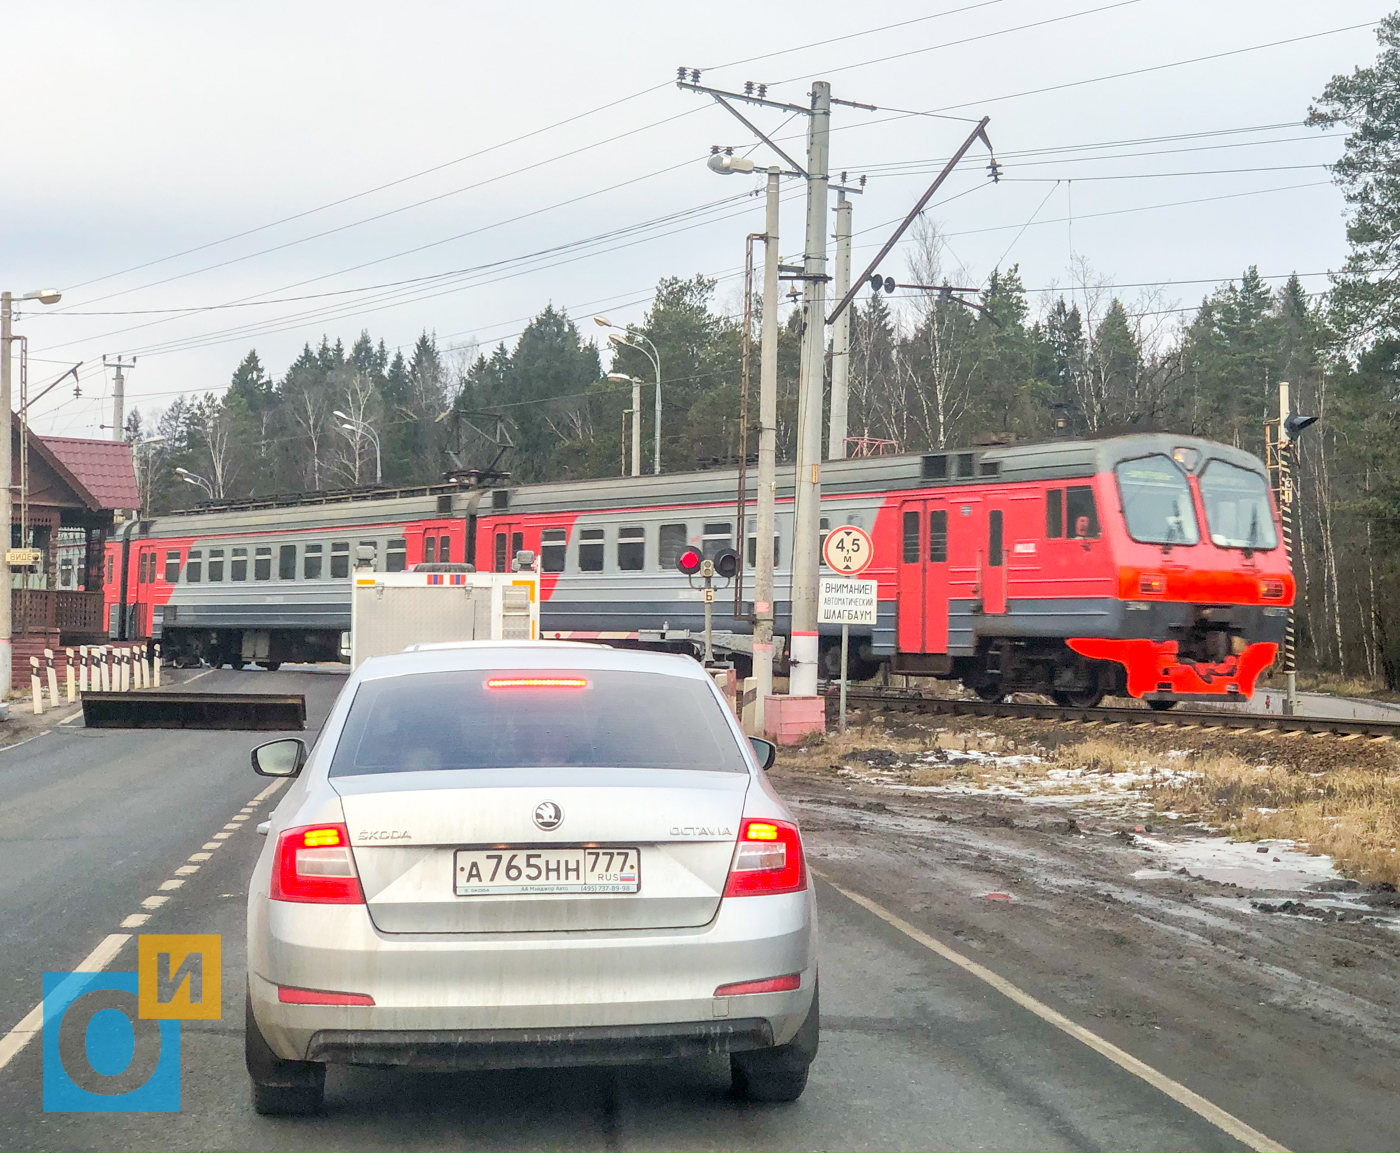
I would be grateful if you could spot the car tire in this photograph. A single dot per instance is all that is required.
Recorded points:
(780, 1073)
(280, 1087)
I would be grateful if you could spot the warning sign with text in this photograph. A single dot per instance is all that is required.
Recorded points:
(845, 601)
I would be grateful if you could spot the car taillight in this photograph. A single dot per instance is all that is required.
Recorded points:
(767, 860)
(770, 985)
(536, 683)
(314, 866)
(288, 995)
(1271, 589)
(1152, 584)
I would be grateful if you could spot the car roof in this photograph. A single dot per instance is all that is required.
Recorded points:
(469, 655)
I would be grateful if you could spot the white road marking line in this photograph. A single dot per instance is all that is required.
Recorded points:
(209, 845)
(26, 741)
(154, 902)
(1227, 1122)
(200, 856)
(69, 720)
(186, 870)
(222, 836)
(267, 792)
(20, 1036)
(237, 817)
(135, 920)
(230, 828)
(166, 886)
(196, 676)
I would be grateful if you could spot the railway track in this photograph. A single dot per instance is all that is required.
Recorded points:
(899, 700)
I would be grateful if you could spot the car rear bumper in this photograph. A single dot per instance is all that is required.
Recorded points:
(484, 996)
(538, 1048)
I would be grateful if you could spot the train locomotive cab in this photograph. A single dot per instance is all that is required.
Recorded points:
(1164, 576)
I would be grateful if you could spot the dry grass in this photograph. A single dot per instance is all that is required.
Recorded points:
(1350, 813)
(1326, 682)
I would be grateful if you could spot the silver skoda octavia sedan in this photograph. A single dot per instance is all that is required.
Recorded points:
(505, 856)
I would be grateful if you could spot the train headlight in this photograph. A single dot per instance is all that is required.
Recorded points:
(1271, 589)
(1152, 584)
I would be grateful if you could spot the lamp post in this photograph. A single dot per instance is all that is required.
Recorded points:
(196, 480)
(143, 480)
(362, 428)
(43, 296)
(649, 351)
(623, 378)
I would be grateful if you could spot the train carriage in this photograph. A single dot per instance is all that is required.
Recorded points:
(1150, 565)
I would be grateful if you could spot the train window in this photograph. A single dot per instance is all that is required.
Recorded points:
(823, 531)
(238, 565)
(194, 567)
(938, 535)
(500, 565)
(340, 558)
(429, 549)
(590, 550)
(964, 464)
(172, 567)
(109, 570)
(1156, 498)
(911, 538)
(262, 562)
(670, 543)
(1054, 514)
(140, 568)
(444, 550)
(287, 562)
(554, 544)
(936, 467)
(715, 537)
(396, 555)
(990, 468)
(1237, 507)
(216, 564)
(994, 538)
(631, 548)
(1081, 515)
(517, 542)
(752, 550)
(311, 562)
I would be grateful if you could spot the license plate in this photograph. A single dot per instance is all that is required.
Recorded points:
(492, 872)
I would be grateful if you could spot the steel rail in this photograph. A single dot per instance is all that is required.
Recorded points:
(898, 700)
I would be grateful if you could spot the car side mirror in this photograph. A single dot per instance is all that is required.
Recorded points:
(282, 758)
(765, 751)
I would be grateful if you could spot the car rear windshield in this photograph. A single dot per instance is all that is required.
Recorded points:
(1237, 507)
(1157, 501)
(528, 719)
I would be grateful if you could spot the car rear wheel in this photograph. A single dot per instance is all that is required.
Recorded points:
(279, 1086)
(780, 1073)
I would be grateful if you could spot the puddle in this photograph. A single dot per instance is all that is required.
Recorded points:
(1283, 867)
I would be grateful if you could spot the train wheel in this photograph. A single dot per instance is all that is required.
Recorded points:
(272, 666)
(1079, 699)
(992, 694)
(1161, 706)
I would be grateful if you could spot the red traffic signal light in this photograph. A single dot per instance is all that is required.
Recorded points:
(689, 561)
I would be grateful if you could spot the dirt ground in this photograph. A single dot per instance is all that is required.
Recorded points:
(1146, 920)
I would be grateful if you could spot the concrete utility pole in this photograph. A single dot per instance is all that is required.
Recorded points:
(840, 334)
(767, 450)
(808, 492)
(119, 397)
(1285, 508)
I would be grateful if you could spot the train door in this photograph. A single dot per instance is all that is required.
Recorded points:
(994, 565)
(507, 539)
(923, 576)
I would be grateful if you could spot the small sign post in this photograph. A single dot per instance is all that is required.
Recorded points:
(843, 599)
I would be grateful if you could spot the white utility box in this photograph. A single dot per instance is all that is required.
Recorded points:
(391, 611)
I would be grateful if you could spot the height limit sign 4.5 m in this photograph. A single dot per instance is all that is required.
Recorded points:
(848, 550)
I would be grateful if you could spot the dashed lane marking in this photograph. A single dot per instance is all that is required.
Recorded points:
(154, 902)
(20, 1036)
(173, 883)
(135, 920)
(1227, 1122)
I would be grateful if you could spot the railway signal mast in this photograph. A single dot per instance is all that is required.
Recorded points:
(1279, 438)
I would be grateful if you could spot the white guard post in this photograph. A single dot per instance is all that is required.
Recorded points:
(52, 678)
(82, 668)
(389, 612)
(70, 686)
(155, 667)
(34, 688)
(104, 670)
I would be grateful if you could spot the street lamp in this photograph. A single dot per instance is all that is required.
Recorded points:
(196, 480)
(43, 296)
(623, 378)
(350, 425)
(649, 351)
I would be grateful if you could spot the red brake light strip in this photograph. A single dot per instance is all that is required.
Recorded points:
(536, 683)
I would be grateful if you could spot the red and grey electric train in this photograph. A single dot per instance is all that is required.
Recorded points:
(1149, 565)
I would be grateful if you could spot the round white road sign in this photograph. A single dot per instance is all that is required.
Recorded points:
(848, 550)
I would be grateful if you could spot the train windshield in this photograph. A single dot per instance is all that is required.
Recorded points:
(1237, 507)
(1157, 501)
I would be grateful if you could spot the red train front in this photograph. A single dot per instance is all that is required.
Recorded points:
(1149, 565)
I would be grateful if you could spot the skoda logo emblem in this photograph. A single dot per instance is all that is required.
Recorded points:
(548, 815)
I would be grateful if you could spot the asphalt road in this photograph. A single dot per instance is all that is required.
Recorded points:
(916, 1052)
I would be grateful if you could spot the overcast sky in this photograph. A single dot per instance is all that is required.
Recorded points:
(143, 138)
